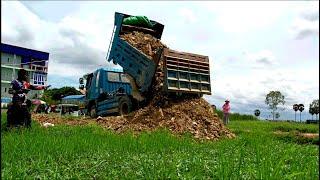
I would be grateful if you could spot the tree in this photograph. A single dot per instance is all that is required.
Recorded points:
(315, 106)
(52, 96)
(311, 111)
(301, 108)
(273, 99)
(295, 108)
(277, 115)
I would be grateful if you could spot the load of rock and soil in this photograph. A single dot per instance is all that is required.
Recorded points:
(183, 114)
(180, 116)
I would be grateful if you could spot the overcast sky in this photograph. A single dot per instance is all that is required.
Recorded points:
(253, 47)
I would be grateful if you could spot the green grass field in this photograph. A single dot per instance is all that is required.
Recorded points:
(90, 152)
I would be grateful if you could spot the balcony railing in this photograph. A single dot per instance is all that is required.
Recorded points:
(39, 68)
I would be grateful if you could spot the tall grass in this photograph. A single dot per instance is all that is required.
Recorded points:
(87, 152)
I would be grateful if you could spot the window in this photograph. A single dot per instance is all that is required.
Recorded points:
(114, 77)
(5, 89)
(124, 78)
(8, 59)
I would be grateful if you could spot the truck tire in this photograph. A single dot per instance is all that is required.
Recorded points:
(93, 111)
(125, 105)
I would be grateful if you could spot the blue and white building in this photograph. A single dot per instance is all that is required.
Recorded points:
(14, 58)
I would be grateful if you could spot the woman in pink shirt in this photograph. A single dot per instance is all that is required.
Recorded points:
(226, 109)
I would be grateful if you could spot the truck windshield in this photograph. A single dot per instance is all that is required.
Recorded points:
(117, 77)
(124, 78)
(113, 76)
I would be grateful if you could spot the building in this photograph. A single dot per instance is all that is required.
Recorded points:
(14, 58)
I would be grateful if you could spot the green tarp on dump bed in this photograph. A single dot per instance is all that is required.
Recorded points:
(141, 21)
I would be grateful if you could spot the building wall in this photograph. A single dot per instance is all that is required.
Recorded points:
(8, 74)
(10, 59)
(33, 94)
(4, 90)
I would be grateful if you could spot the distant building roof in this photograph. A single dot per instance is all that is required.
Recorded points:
(7, 48)
(73, 97)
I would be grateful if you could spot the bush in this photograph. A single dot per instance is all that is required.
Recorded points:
(237, 116)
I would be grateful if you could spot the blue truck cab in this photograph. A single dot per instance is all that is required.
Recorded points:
(106, 92)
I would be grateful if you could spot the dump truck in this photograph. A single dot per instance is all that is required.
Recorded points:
(121, 92)
(183, 72)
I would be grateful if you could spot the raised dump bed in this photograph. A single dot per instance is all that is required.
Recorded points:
(184, 72)
(133, 62)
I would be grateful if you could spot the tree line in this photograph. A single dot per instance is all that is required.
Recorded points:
(54, 96)
(275, 98)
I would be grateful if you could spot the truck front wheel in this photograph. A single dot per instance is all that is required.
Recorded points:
(125, 106)
(93, 112)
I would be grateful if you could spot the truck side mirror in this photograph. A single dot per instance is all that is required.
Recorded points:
(81, 87)
(81, 80)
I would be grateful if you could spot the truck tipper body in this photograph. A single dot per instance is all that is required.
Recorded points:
(183, 72)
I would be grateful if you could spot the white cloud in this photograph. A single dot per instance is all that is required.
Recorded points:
(261, 59)
(188, 15)
(248, 91)
(303, 28)
(75, 44)
(306, 23)
(245, 16)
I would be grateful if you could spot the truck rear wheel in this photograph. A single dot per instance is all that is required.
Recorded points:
(125, 105)
(93, 111)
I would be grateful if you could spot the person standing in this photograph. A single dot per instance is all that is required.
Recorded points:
(226, 110)
(18, 113)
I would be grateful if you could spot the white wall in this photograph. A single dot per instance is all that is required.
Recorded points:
(4, 90)
(10, 59)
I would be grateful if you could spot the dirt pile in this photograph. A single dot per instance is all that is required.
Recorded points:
(181, 116)
(146, 43)
(58, 119)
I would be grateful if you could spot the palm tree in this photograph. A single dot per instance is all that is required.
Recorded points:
(301, 108)
(295, 108)
(257, 112)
